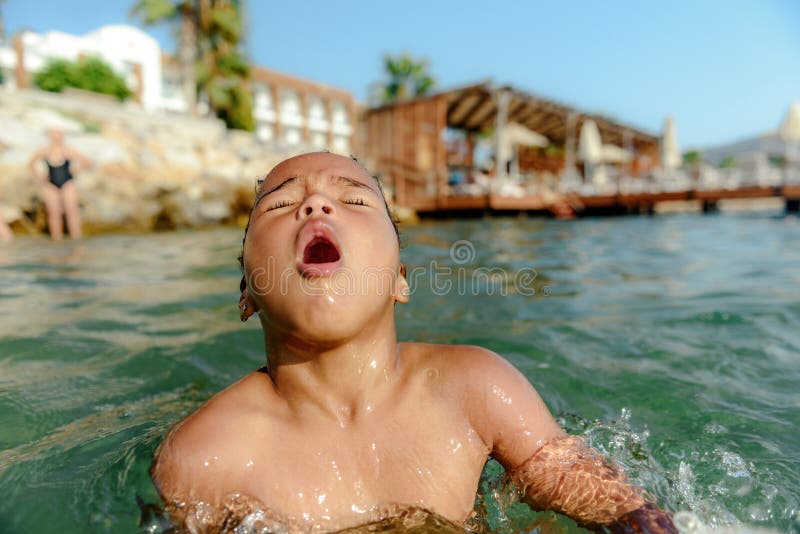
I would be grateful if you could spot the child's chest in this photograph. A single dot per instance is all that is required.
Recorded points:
(328, 475)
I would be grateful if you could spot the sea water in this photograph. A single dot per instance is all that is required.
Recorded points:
(672, 343)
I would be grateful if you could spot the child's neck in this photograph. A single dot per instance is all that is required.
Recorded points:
(344, 381)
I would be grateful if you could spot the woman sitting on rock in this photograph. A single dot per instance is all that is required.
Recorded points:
(58, 187)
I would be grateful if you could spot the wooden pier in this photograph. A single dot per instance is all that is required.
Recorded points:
(407, 145)
(622, 203)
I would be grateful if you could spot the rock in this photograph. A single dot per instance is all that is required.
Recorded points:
(405, 215)
(223, 164)
(149, 171)
(18, 134)
(214, 210)
(15, 157)
(258, 167)
(46, 119)
(181, 156)
(10, 214)
(98, 148)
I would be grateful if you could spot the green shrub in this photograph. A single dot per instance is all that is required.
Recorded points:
(90, 74)
(692, 157)
(57, 74)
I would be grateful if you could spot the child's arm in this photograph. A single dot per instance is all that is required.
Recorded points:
(559, 472)
(568, 476)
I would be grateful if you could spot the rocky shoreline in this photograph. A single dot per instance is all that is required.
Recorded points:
(149, 172)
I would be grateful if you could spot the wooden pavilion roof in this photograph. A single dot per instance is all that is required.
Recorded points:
(474, 108)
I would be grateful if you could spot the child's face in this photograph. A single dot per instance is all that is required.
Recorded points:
(321, 256)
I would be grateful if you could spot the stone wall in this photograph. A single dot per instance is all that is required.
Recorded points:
(150, 172)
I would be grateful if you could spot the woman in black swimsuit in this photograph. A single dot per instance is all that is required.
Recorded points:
(58, 187)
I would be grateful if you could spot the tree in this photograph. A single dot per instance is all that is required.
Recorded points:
(407, 78)
(692, 157)
(2, 28)
(90, 74)
(210, 34)
(185, 13)
(222, 68)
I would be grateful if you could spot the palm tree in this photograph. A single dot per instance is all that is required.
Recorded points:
(408, 78)
(186, 13)
(2, 23)
(222, 68)
(210, 37)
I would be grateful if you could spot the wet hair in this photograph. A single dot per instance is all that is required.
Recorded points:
(392, 218)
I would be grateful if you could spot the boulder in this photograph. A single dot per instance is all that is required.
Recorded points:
(149, 171)
(46, 119)
(99, 148)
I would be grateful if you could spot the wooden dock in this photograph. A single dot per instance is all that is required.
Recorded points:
(424, 151)
(620, 203)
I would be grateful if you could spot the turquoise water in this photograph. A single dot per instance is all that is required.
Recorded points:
(672, 343)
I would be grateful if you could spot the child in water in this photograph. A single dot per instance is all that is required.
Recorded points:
(344, 421)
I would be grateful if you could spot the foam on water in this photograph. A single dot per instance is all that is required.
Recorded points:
(698, 508)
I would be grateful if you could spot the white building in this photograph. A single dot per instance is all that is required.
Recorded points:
(290, 112)
(293, 112)
(128, 50)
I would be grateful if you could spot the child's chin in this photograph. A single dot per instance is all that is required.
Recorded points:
(332, 333)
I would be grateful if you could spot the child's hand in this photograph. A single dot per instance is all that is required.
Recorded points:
(646, 520)
(568, 476)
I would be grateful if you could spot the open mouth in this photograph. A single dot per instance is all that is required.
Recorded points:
(320, 250)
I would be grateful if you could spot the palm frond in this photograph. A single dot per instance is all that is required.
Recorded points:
(154, 11)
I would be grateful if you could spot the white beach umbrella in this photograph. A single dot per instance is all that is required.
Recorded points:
(670, 152)
(590, 147)
(518, 135)
(790, 127)
(590, 151)
(515, 135)
(615, 154)
(789, 133)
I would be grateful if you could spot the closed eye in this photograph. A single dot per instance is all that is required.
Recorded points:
(280, 204)
(356, 201)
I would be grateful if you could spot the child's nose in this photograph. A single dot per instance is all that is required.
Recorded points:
(315, 204)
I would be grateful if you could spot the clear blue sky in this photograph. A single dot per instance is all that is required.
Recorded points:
(726, 69)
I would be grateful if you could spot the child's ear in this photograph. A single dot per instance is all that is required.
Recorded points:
(401, 289)
(246, 305)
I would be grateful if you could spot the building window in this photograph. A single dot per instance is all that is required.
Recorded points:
(316, 108)
(292, 136)
(262, 98)
(318, 140)
(290, 108)
(341, 144)
(265, 132)
(339, 112)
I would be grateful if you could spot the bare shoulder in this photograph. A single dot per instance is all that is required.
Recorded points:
(200, 450)
(502, 404)
(469, 364)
